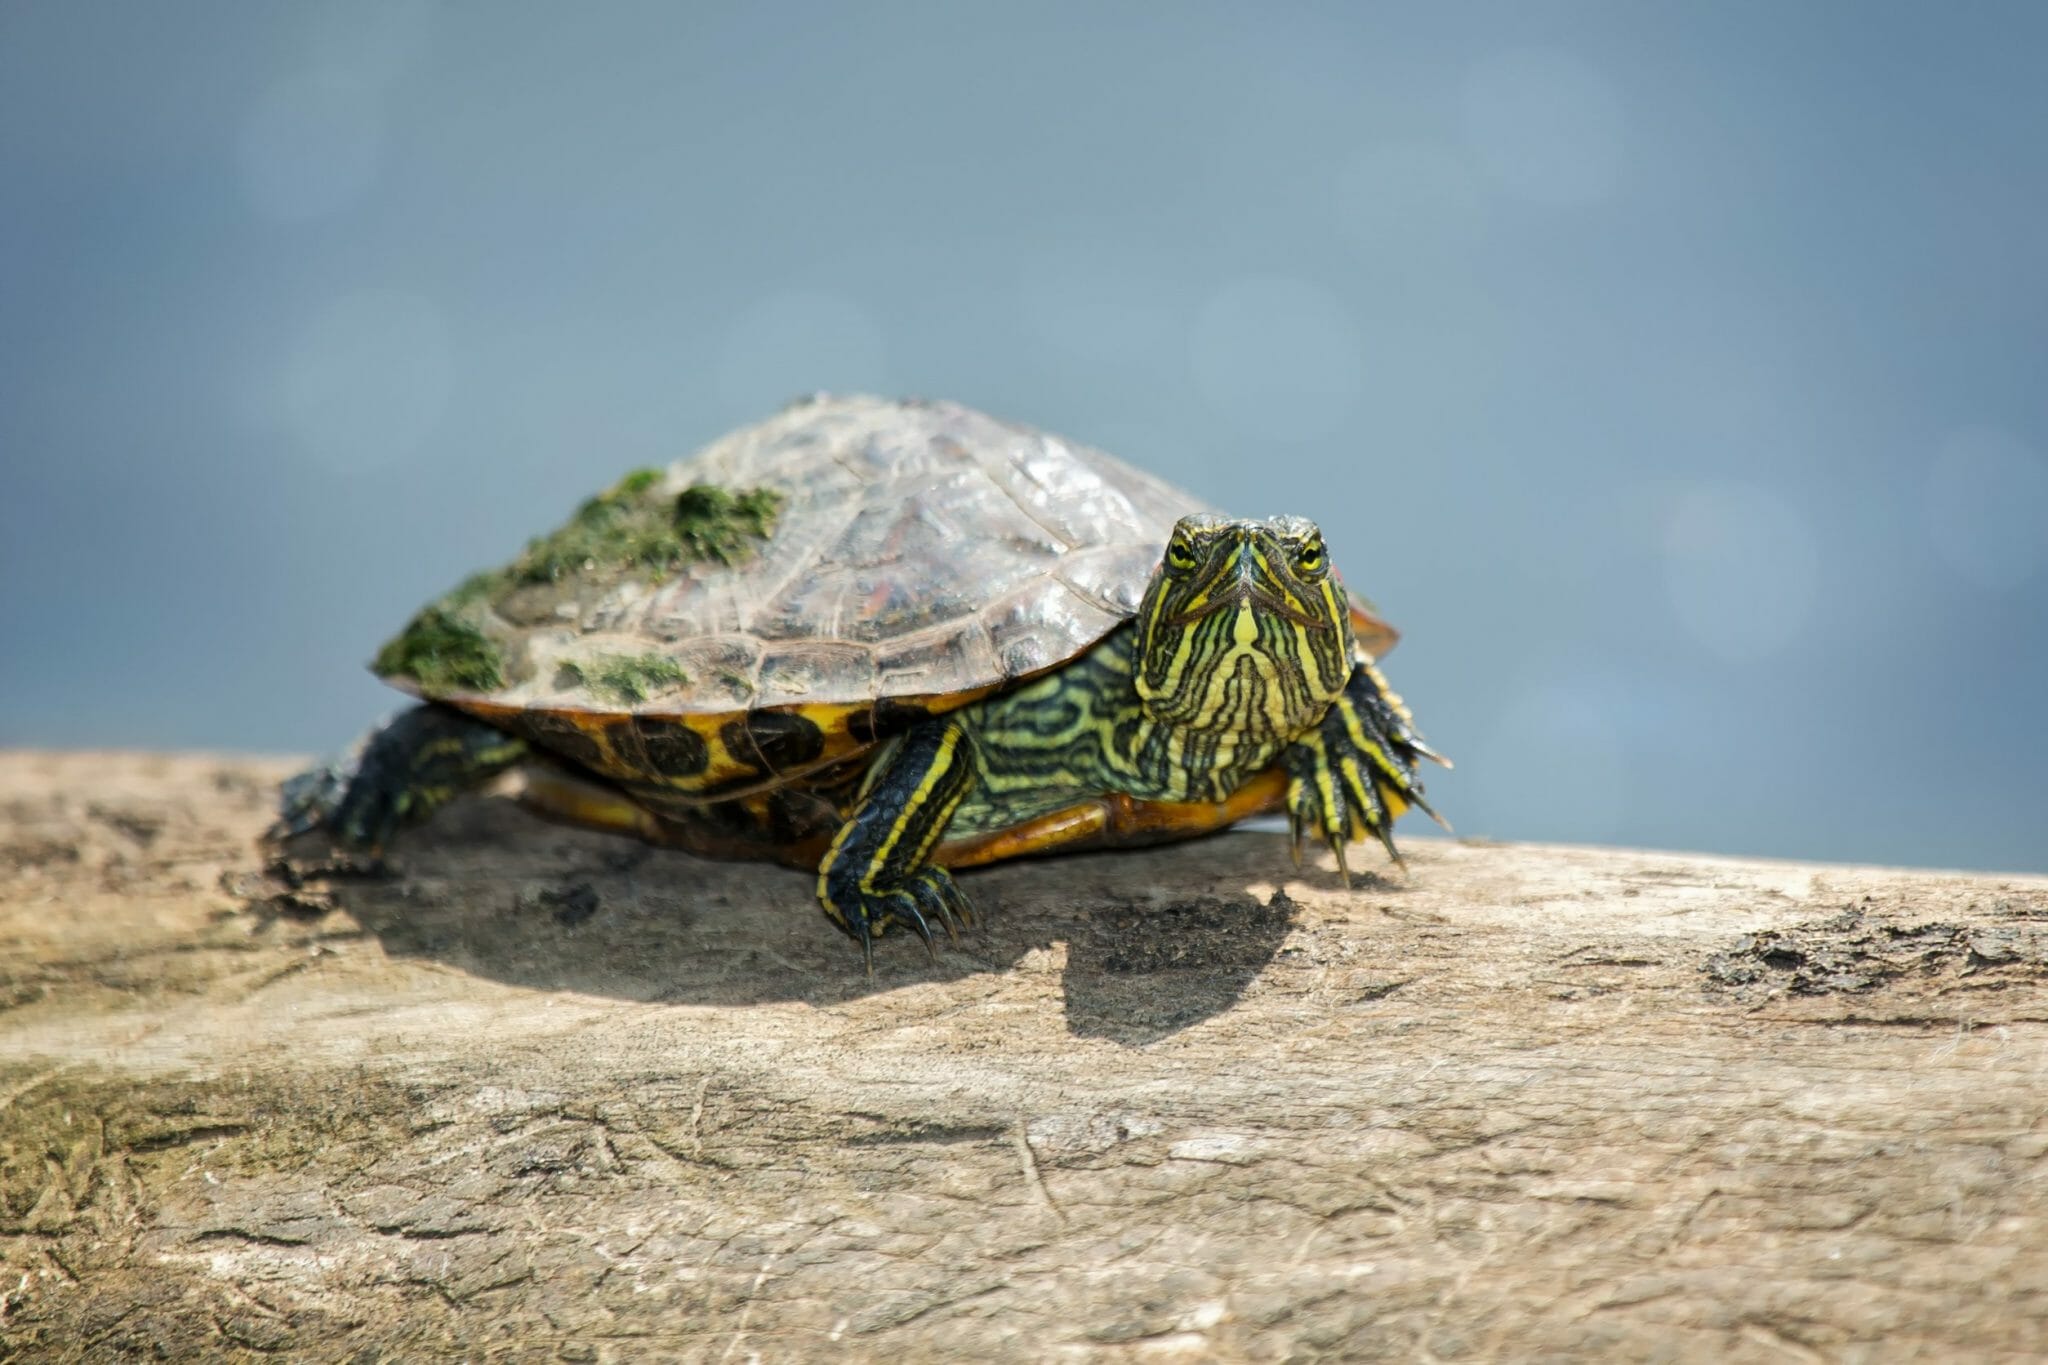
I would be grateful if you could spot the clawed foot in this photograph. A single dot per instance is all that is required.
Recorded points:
(357, 806)
(399, 771)
(930, 894)
(307, 801)
(1354, 775)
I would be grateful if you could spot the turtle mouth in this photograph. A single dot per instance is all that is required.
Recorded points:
(1247, 592)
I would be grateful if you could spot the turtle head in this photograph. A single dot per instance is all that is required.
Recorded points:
(1243, 627)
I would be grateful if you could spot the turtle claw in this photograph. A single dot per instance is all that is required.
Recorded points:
(904, 910)
(1354, 774)
(931, 894)
(924, 933)
(954, 898)
(1432, 755)
(1414, 798)
(306, 801)
(932, 900)
(1321, 798)
(1386, 838)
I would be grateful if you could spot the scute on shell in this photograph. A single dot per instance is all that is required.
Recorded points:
(920, 548)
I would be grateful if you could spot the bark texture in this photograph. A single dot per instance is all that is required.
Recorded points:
(548, 1095)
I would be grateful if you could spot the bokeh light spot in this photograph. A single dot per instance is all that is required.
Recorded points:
(797, 342)
(1742, 567)
(1280, 358)
(1987, 507)
(368, 381)
(1546, 125)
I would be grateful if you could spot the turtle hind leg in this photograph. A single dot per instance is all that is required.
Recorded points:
(399, 772)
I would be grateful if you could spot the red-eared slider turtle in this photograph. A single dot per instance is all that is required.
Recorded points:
(879, 640)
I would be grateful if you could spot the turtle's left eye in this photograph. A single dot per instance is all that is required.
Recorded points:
(1310, 560)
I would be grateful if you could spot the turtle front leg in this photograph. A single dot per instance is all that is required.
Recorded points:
(877, 871)
(400, 771)
(1354, 774)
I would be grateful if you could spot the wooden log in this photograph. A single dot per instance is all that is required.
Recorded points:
(544, 1094)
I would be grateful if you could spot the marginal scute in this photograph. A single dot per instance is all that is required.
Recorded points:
(722, 671)
(816, 671)
(860, 726)
(623, 678)
(671, 747)
(935, 661)
(774, 742)
(560, 734)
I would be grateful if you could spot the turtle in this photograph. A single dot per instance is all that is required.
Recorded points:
(883, 641)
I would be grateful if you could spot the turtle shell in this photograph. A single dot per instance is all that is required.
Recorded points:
(848, 553)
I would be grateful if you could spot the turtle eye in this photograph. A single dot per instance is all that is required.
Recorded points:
(1180, 556)
(1310, 560)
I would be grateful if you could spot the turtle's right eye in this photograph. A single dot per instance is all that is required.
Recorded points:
(1180, 556)
(1309, 559)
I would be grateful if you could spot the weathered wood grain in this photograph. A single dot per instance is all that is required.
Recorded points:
(545, 1095)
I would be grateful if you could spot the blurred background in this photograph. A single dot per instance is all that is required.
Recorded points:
(1676, 377)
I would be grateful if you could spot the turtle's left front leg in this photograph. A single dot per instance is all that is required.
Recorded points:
(1354, 774)
(878, 872)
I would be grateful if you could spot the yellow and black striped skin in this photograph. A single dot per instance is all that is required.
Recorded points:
(879, 870)
(1239, 688)
(1241, 661)
(407, 769)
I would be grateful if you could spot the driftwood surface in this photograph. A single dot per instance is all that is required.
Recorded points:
(544, 1094)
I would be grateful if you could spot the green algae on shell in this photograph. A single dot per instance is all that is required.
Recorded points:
(443, 652)
(627, 677)
(632, 527)
(715, 523)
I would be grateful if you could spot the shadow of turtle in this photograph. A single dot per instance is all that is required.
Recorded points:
(1153, 943)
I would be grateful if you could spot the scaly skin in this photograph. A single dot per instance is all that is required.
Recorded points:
(1240, 661)
(1241, 657)
(402, 771)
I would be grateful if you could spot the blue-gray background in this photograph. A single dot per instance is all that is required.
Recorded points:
(1676, 376)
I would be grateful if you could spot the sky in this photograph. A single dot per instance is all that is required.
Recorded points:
(1672, 375)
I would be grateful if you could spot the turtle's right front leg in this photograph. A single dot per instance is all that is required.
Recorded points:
(400, 771)
(878, 872)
